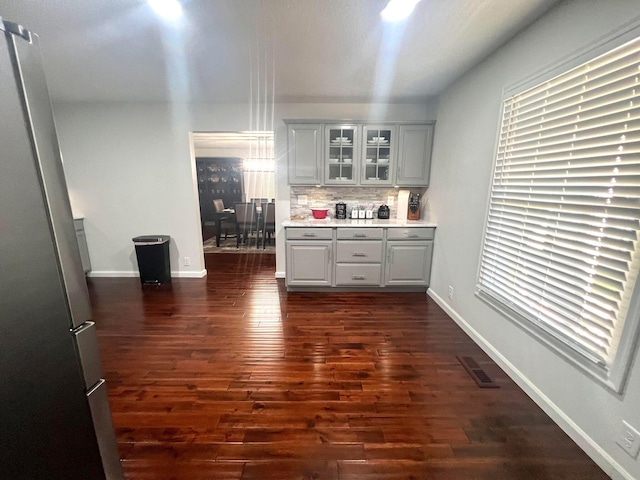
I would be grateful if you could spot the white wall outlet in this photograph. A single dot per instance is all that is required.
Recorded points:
(390, 200)
(450, 292)
(302, 200)
(186, 261)
(629, 439)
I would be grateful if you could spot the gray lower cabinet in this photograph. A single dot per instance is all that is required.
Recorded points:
(309, 254)
(358, 257)
(409, 252)
(408, 262)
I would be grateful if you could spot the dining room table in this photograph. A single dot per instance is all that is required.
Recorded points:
(229, 213)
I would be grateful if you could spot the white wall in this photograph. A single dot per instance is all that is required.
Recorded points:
(259, 184)
(462, 162)
(130, 171)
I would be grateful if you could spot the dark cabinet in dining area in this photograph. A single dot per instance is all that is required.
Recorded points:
(218, 178)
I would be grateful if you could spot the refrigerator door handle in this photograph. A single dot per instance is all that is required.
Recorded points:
(15, 29)
(95, 387)
(87, 344)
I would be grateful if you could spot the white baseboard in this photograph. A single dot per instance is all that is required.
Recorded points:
(280, 275)
(584, 441)
(131, 273)
(189, 274)
(112, 273)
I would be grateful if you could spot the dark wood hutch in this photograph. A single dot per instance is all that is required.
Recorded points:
(218, 177)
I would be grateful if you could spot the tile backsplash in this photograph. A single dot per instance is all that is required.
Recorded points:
(329, 196)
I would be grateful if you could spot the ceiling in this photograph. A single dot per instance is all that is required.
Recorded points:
(264, 50)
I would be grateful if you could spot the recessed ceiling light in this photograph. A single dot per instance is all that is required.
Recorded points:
(397, 10)
(169, 9)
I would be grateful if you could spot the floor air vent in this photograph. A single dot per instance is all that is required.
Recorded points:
(478, 374)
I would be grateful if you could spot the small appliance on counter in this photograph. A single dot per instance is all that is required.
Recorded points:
(341, 210)
(413, 213)
(383, 212)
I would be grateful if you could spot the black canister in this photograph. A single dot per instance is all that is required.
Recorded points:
(341, 210)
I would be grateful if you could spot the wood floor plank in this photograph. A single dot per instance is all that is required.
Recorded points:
(232, 377)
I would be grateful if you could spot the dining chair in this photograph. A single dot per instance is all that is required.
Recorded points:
(226, 222)
(268, 222)
(218, 203)
(246, 222)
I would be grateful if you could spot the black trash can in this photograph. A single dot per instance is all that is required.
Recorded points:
(152, 252)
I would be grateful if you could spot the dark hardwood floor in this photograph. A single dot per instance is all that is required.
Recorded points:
(231, 377)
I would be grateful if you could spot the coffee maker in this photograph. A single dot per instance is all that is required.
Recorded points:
(341, 210)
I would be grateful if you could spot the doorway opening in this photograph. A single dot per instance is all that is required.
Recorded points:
(236, 171)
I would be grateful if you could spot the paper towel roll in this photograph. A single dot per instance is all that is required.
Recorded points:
(403, 204)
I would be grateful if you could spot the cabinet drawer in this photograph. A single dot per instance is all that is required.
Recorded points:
(354, 274)
(350, 251)
(359, 233)
(412, 233)
(309, 233)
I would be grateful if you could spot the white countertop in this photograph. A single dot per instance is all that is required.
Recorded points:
(376, 222)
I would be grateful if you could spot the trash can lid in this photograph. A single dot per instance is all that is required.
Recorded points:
(151, 239)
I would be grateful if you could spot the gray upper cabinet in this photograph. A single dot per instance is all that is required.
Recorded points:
(353, 153)
(305, 153)
(378, 154)
(341, 154)
(414, 155)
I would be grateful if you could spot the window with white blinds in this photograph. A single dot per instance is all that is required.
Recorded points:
(561, 243)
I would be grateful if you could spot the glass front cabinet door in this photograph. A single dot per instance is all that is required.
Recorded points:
(341, 154)
(378, 144)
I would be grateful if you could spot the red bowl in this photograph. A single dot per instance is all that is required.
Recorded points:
(319, 213)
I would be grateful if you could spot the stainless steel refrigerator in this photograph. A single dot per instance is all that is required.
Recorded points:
(55, 421)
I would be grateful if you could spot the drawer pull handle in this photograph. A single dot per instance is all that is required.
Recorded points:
(411, 235)
(358, 254)
(309, 235)
(357, 277)
(359, 235)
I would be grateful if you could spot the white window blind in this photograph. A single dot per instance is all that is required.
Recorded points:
(561, 241)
